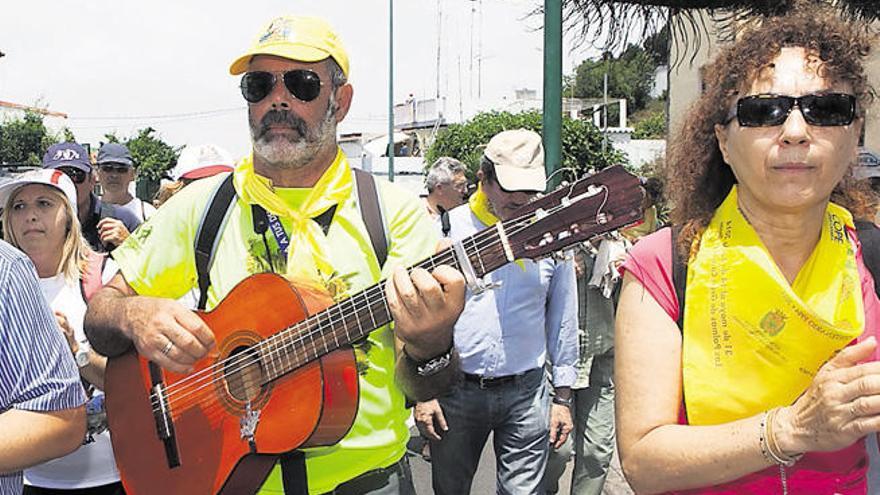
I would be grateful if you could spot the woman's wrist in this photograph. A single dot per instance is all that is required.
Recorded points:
(787, 435)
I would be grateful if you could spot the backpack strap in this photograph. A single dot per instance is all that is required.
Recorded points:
(869, 237)
(679, 276)
(371, 212)
(90, 280)
(206, 237)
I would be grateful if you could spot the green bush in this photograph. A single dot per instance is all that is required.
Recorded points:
(581, 141)
(651, 127)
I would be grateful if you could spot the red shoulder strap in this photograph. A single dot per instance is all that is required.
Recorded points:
(90, 281)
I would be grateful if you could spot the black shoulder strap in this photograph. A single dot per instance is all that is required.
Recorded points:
(206, 237)
(371, 212)
(445, 225)
(679, 276)
(869, 238)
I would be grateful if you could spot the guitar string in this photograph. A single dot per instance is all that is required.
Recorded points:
(367, 295)
(177, 388)
(360, 313)
(330, 318)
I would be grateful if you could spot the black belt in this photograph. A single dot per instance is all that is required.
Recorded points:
(495, 381)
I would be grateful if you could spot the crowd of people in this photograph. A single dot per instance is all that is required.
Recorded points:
(732, 351)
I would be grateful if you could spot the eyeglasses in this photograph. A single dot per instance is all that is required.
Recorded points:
(304, 85)
(825, 110)
(118, 169)
(76, 175)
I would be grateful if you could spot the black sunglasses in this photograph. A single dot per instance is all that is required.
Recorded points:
(119, 169)
(76, 175)
(825, 109)
(304, 85)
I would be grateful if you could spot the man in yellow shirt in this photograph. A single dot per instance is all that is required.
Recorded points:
(295, 83)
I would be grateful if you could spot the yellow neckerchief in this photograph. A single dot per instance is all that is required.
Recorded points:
(479, 204)
(306, 259)
(752, 341)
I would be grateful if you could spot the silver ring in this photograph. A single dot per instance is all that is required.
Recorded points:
(167, 348)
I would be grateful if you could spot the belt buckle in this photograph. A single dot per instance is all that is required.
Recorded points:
(484, 384)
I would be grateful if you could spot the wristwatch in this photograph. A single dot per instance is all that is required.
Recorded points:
(433, 365)
(562, 402)
(82, 355)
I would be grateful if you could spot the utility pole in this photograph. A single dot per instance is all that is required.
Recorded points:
(390, 90)
(552, 120)
(439, 41)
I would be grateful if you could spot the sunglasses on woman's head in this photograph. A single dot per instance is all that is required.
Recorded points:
(825, 109)
(76, 175)
(303, 84)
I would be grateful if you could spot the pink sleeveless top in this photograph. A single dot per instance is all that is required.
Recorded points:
(840, 472)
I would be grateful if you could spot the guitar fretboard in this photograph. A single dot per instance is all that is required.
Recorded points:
(354, 318)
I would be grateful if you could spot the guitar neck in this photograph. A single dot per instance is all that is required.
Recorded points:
(354, 318)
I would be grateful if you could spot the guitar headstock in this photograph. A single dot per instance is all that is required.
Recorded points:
(604, 201)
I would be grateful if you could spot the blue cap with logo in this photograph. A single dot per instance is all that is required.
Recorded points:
(67, 155)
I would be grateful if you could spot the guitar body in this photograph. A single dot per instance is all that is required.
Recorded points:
(283, 375)
(311, 406)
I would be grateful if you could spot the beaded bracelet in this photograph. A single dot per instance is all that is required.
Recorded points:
(769, 447)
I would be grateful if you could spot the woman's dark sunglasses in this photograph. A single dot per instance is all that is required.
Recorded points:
(304, 85)
(826, 109)
(76, 175)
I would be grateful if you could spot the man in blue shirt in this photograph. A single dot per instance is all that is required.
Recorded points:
(504, 336)
(41, 398)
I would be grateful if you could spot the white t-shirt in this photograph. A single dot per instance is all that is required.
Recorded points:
(141, 209)
(93, 463)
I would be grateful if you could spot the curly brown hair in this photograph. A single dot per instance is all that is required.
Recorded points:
(698, 179)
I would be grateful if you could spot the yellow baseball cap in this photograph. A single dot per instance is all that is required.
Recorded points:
(305, 39)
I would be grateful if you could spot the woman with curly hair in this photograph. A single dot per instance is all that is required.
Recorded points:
(758, 381)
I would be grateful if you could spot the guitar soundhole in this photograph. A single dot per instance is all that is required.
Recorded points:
(244, 374)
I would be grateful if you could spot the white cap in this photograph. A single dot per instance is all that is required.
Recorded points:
(47, 176)
(204, 160)
(519, 160)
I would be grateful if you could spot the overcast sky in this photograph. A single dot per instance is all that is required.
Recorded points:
(122, 65)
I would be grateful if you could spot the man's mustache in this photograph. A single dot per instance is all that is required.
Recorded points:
(274, 117)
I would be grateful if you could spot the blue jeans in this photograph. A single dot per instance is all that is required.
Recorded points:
(593, 435)
(517, 413)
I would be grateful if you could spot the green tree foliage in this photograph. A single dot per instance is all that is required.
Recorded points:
(581, 141)
(151, 154)
(24, 139)
(630, 76)
(653, 126)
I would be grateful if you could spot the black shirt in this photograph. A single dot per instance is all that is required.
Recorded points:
(99, 210)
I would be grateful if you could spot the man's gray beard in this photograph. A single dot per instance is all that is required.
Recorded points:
(283, 152)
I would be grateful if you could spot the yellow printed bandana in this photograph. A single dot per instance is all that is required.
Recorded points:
(306, 259)
(751, 340)
(479, 204)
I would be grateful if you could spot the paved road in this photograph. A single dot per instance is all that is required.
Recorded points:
(484, 481)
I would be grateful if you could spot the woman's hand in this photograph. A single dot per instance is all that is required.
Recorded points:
(840, 406)
(67, 330)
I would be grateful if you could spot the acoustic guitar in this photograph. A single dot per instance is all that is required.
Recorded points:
(283, 375)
